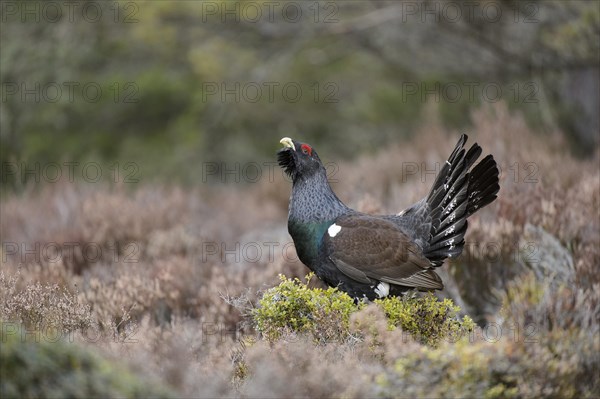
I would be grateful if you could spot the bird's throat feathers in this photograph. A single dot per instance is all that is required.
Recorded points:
(313, 200)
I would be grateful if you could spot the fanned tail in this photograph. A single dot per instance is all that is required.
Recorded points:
(456, 194)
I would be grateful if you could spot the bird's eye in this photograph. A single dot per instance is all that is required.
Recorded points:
(306, 149)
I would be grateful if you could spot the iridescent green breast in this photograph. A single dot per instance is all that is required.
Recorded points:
(307, 239)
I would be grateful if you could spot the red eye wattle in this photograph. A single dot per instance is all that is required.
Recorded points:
(306, 149)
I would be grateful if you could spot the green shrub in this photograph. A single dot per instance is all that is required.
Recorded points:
(325, 314)
(294, 307)
(426, 318)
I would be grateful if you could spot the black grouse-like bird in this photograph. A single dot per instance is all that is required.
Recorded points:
(376, 256)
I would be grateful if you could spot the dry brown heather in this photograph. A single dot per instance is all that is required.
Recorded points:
(152, 297)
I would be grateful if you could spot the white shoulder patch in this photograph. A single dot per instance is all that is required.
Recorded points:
(382, 290)
(333, 230)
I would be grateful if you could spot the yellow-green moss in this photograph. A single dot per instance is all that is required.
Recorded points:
(427, 319)
(294, 307)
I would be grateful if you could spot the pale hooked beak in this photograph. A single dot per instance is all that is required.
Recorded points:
(287, 142)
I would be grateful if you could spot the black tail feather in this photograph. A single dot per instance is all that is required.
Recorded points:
(457, 194)
(483, 184)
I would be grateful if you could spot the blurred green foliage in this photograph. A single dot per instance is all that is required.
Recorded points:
(51, 369)
(170, 85)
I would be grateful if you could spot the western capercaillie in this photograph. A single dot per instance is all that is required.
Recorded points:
(376, 256)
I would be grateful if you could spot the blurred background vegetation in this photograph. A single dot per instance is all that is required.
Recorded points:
(170, 85)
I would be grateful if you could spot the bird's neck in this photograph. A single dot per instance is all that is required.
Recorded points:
(313, 208)
(313, 200)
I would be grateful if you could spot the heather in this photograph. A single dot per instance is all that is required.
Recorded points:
(198, 289)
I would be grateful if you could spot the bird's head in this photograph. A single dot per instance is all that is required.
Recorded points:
(298, 159)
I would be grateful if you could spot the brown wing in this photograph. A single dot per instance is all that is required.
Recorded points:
(367, 248)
